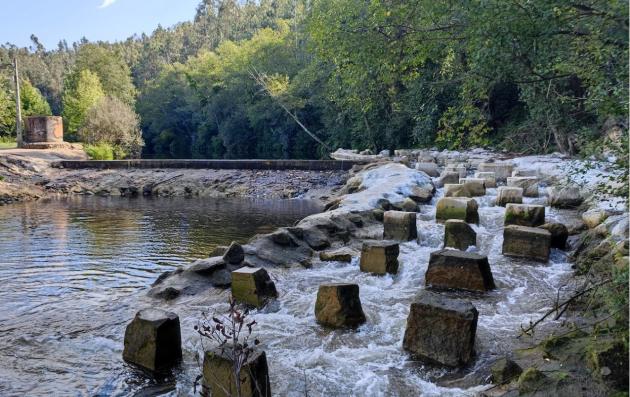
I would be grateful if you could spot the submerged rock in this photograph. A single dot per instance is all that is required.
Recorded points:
(219, 378)
(441, 330)
(379, 257)
(526, 242)
(252, 286)
(339, 305)
(153, 340)
(453, 269)
(459, 234)
(457, 208)
(524, 214)
(399, 225)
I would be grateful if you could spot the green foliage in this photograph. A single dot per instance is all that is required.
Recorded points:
(82, 92)
(33, 103)
(462, 128)
(101, 151)
(113, 122)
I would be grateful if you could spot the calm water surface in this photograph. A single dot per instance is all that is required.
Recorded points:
(73, 272)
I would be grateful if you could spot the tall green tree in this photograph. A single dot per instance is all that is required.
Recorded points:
(81, 93)
(33, 103)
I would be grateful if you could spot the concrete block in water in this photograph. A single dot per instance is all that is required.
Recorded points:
(339, 305)
(506, 195)
(153, 340)
(488, 177)
(459, 234)
(441, 330)
(399, 225)
(564, 197)
(455, 190)
(449, 177)
(219, 379)
(502, 170)
(527, 242)
(528, 183)
(475, 186)
(252, 286)
(453, 269)
(429, 168)
(524, 214)
(457, 208)
(379, 257)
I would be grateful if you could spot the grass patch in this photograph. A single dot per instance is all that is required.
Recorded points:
(102, 151)
(7, 142)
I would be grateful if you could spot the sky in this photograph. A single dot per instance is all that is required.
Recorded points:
(111, 20)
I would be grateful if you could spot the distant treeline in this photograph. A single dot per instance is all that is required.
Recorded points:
(526, 76)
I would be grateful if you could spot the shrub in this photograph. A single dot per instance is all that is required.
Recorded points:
(113, 122)
(101, 151)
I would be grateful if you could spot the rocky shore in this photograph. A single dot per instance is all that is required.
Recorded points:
(30, 174)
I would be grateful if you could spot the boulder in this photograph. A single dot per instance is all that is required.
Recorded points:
(527, 242)
(422, 194)
(457, 208)
(252, 286)
(524, 214)
(453, 269)
(430, 169)
(219, 379)
(337, 255)
(459, 234)
(379, 257)
(507, 195)
(449, 177)
(234, 254)
(378, 214)
(504, 371)
(564, 197)
(474, 186)
(531, 381)
(501, 169)
(594, 217)
(441, 330)
(153, 340)
(408, 205)
(455, 190)
(339, 305)
(489, 178)
(559, 234)
(399, 225)
(528, 183)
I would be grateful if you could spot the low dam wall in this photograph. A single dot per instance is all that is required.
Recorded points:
(308, 165)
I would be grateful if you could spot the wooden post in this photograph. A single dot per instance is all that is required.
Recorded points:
(18, 105)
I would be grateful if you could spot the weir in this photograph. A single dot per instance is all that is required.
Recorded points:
(308, 165)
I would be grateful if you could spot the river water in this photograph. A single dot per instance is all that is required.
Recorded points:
(74, 272)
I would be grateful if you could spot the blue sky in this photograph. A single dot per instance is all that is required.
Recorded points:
(53, 20)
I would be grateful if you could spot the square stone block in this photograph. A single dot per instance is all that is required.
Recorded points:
(527, 242)
(379, 257)
(457, 208)
(399, 225)
(339, 305)
(252, 286)
(219, 379)
(453, 269)
(524, 215)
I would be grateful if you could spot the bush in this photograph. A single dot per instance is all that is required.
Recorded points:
(111, 121)
(101, 151)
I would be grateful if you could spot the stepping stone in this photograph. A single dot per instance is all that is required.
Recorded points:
(524, 215)
(252, 286)
(459, 168)
(528, 183)
(506, 195)
(527, 242)
(524, 172)
(559, 234)
(449, 177)
(474, 186)
(452, 269)
(399, 225)
(564, 197)
(430, 169)
(219, 379)
(337, 255)
(379, 257)
(441, 330)
(488, 177)
(459, 234)
(153, 340)
(455, 190)
(457, 208)
(338, 305)
(501, 169)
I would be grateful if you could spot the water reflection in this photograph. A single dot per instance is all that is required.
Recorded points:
(72, 272)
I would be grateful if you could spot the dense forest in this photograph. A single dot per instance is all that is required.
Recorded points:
(272, 78)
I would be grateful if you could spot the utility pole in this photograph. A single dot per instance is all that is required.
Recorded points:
(18, 104)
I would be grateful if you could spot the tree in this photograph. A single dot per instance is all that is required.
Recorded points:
(113, 122)
(81, 93)
(33, 103)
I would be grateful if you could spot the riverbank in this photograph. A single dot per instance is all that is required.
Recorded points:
(31, 174)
